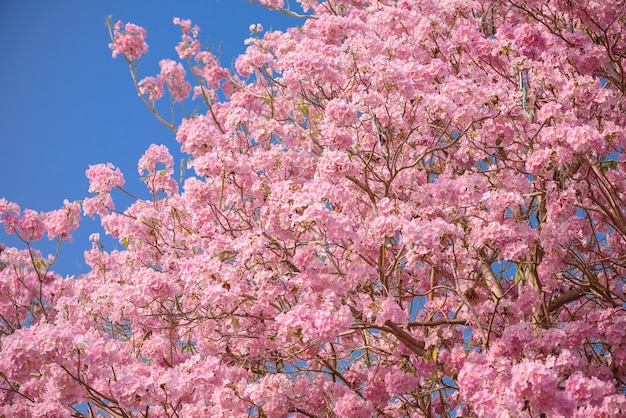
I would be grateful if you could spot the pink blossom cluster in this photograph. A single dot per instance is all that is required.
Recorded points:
(128, 40)
(341, 112)
(31, 225)
(151, 87)
(60, 222)
(272, 3)
(157, 167)
(189, 45)
(172, 75)
(104, 177)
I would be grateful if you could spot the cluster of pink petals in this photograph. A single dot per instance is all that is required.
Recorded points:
(157, 167)
(104, 177)
(31, 225)
(189, 45)
(173, 76)
(151, 87)
(129, 40)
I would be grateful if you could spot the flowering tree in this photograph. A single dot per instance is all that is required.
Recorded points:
(400, 208)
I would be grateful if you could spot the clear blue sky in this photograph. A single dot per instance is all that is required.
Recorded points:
(66, 104)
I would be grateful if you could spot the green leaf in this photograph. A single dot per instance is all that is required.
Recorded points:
(40, 264)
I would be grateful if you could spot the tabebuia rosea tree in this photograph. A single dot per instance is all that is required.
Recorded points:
(400, 208)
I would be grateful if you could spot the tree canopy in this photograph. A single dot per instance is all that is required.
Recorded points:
(397, 209)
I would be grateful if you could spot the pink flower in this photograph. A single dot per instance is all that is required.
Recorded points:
(197, 135)
(256, 28)
(157, 166)
(585, 390)
(101, 204)
(340, 112)
(398, 382)
(152, 87)
(60, 223)
(534, 382)
(173, 76)
(185, 26)
(189, 46)
(129, 41)
(154, 156)
(530, 39)
(31, 225)
(104, 177)
(391, 311)
(9, 215)
(209, 69)
(273, 3)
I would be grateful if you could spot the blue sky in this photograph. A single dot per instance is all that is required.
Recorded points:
(66, 104)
